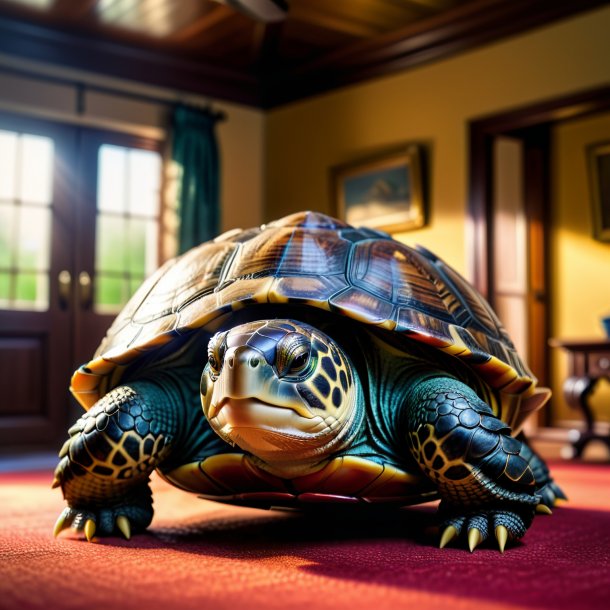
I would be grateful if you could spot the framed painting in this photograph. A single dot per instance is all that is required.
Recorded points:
(383, 192)
(598, 156)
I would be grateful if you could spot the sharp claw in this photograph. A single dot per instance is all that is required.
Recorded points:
(122, 522)
(64, 449)
(543, 509)
(474, 538)
(501, 537)
(89, 529)
(59, 524)
(448, 535)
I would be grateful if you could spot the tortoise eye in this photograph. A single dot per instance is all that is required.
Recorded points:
(292, 355)
(216, 351)
(299, 362)
(213, 363)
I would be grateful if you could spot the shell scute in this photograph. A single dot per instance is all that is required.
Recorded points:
(313, 290)
(363, 306)
(315, 254)
(197, 274)
(398, 275)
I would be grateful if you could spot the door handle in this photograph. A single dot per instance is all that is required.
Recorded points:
(64, 285)
(85, 286)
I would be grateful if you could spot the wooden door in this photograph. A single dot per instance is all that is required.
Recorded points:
(518, 286)
(119, 229)
(36, 224)
(79, 231)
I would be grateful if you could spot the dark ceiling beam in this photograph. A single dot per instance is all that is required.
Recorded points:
(324, 18)
(124, 61)
(73, 11)
(265, 44)
(437, 37)
(204, 23)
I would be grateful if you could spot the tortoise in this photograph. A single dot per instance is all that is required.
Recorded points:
(307, 363)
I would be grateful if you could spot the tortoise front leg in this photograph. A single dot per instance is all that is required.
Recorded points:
(106, 463)
(485, 476)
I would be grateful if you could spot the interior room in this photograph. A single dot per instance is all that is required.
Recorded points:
(500, 113)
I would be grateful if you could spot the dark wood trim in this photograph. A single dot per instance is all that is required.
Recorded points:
(433, 38)
(481, 135)
(437, 37)
(124, 61)
(207, 21)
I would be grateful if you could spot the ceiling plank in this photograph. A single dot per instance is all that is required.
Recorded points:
(265, 43)
(74, 10)
(325, 19)
(211, 18)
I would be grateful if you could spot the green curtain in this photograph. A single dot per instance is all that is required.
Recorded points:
(195, 151)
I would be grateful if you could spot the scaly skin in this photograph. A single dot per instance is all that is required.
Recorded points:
(488, 480)
(114, 447)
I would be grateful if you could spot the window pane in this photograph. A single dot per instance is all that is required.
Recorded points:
(5, 289)
(127, 232)
(110, 293)
(143, 246)
(31, 291)
(144, 182)
(34, 236)
(134, 283)
(8, 164)
(7, 240)
(111, 179)
(36, 175)
(111, 242)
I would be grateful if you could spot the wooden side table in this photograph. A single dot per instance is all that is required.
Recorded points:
(589, 361)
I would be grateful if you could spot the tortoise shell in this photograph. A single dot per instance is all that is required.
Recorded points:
(315, 260)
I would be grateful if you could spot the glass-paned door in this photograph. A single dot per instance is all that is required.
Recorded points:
(35, 331)
(119, 236)
(79, 231)
(127, 223)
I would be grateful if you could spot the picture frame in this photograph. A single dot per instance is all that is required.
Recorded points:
(598, 161)
(384, 192)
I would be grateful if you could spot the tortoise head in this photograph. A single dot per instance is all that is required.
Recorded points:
(281, 390)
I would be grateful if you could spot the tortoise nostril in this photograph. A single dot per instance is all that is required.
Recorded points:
(231, 362)
(254, 362)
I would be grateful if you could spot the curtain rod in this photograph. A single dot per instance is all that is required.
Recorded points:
(82, 86)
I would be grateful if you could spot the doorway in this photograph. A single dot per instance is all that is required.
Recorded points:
(529, 128)
(79, 231)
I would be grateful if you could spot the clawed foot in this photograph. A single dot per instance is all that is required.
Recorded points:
(104, 522)
(549, 494)
(479, 525)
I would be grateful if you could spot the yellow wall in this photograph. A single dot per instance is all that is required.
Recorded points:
(580, 265)
(432, 105)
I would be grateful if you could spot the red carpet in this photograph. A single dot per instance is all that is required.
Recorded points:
(206, 556)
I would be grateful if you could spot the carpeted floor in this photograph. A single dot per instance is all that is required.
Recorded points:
(206, 556)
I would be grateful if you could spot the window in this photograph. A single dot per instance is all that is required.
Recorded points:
(26, 197)
(127, 227)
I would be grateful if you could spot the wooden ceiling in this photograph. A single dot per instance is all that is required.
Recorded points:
(209, 47)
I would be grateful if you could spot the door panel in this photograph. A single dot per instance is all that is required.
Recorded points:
(35, 329)
(75, 242)
(119, 235)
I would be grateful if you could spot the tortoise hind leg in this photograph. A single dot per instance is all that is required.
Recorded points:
(546, 487)
(485, 477)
